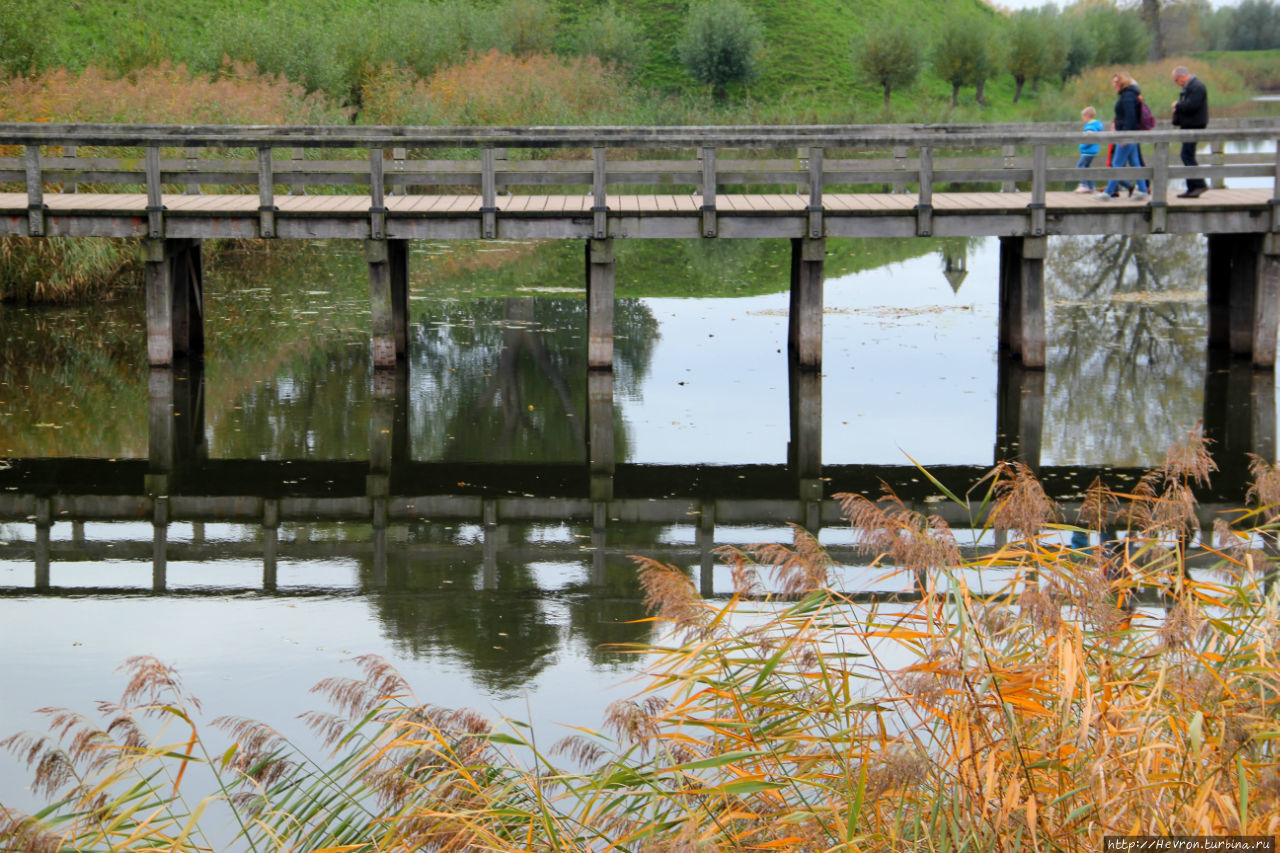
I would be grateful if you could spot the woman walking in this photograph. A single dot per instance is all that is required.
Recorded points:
(1127, 115)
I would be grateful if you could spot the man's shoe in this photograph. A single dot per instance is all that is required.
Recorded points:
(1104, 197)
(1138, 196)
(1197, 192)
(1187, 194)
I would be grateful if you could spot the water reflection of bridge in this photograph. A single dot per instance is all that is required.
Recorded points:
(179, 483)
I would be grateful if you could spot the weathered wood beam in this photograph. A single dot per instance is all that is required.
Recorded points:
(804, 327)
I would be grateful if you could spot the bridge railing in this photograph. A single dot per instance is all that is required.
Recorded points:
(603, 162)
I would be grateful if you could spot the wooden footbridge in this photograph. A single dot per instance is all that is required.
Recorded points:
(174, 186)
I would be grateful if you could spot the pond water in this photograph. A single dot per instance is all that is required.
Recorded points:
(520, 624)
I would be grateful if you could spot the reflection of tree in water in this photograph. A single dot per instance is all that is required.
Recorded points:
(505, 379)
(490, 380)
(1126, 346)
(501, 625)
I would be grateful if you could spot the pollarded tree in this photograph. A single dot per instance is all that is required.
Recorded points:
(1024, 50)
(963, 54)
(613, 37)
(889, 54)
(722, 43)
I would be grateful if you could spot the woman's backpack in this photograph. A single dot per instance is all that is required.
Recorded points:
(1146, 121)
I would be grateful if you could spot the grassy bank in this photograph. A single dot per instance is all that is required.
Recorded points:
(1045, 712)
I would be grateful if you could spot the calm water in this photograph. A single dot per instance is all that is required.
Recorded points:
(496, 376)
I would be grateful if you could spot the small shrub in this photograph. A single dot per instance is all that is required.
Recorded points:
(721, 44)
(613, 38)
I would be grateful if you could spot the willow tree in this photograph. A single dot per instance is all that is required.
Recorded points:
(889, 54)
(722, 43)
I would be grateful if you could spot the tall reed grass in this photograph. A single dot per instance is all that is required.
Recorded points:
(1085, 691)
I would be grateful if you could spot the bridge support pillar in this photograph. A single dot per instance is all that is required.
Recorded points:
(1019, 412)
(1244, 295)
(175, 299)
(804, 450)
(804, 328)
(706, 540)
(600, 433)
(1022, 324)
(388, 300)
(601, 278)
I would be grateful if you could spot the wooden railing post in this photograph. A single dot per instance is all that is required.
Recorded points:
(1009, 152)
(488, 193)
(398, 158)
(1160, 188)
(69, 151)
(192, 156)
(708, 156)
(815, 192)
(266, 195)
(1039, 186)
(599, 193)
(377, 195)
(35, 191)
(900, 153)
(155, 194)
(297, 154)
(1217, 157)
(1275, 194)
(924, 206)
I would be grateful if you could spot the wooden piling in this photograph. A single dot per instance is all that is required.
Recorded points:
(1022, 321)
(175, 299)
(804, 333)
(1019, 412)
(388, 300)
(1244, 295)
(601, 278)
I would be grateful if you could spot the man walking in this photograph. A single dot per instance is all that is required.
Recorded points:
(1190, 112)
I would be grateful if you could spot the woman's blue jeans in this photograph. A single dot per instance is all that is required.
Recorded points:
(1125, 155)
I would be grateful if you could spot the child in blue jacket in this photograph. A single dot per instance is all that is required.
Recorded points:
(1088, 151)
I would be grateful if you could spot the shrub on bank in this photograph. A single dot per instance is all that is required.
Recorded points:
(1089, 690)
(68, 270)
(498, 89)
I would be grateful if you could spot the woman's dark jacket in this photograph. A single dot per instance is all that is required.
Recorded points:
(1192, 110)
(1127, 109)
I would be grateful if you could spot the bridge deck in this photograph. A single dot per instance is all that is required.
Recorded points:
(849, 214)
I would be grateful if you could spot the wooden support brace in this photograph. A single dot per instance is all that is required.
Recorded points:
(70, 186)
(1275, 194)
